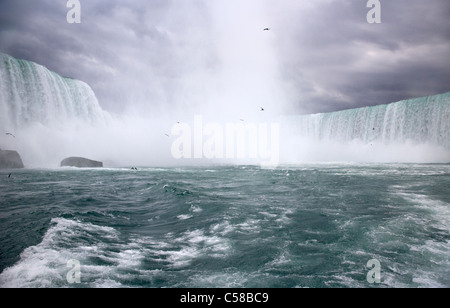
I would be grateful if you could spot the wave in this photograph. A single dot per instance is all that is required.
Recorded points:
(106, 257)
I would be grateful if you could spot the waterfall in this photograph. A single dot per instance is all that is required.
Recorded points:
(30, 93)
(377, 133)
(51, 117)
(421, 120)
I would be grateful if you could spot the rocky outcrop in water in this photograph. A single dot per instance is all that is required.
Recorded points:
(81, 162)
(10, 160)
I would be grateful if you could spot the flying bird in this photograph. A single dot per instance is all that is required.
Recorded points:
(262, 109)
(11, 135)
(266, 29)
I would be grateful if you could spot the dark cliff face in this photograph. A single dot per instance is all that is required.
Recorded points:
(81, 162)
(10, 160)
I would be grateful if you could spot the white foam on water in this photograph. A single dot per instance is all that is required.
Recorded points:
(211, 245)
(417, 240)
(180, 251)
(282, 259)
(344, 280)
(46, 264)
(183, 257)
(195, 208)
(184, 216)
(250, 225)
(223, 228)
(220, 280)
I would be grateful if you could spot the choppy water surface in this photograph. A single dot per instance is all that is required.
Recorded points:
(302, 226)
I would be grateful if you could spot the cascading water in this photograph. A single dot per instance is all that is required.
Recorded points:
(46, 117)
(420, 120)
(416, 123)
(30, 93)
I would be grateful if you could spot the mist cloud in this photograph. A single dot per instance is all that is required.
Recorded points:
(154, 56)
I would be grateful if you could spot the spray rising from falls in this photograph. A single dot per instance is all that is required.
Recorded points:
(415, 130)
(42, 113)
(47, 118)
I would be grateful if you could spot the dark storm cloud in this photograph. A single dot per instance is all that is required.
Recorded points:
(153, 54)
(128, 51)
(341, 61)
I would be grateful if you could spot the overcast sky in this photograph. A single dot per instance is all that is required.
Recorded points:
(319, 55)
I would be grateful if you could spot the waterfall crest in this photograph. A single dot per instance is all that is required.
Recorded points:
(30, 93)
